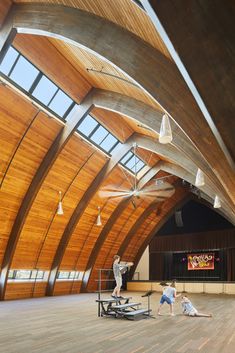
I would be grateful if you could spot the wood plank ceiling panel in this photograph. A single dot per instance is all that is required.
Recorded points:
(122, 12)
(25, 160)
(40, 51)
(4, 8)
(139, 236)
(86, 231)
(82, 60)
(115, 238)
(43, 211)
(74, 192)
(53, 64)
(114, 122)
(16, 114)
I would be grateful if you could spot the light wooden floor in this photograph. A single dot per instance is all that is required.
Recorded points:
(70, 324)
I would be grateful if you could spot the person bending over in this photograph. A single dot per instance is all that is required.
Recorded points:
(118, 270)
(168, 296)
(189, 310)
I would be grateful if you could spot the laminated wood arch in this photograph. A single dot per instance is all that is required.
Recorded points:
(80, 208)
(139, 63)
(108, 226)
(186, 150)
(62, 138)
(180, 193)
(164, 219)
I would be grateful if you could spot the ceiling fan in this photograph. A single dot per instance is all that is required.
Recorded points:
(159, 189)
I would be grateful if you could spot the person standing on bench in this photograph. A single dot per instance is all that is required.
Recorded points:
(118, 270)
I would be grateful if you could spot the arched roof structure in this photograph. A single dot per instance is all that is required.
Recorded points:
(121, 70)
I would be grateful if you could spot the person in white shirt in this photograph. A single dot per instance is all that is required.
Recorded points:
(189, 309)
(168, 296)
(118, 270)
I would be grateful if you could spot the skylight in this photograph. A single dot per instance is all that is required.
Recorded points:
(31, 80)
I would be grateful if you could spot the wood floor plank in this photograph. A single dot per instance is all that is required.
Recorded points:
(69, 324)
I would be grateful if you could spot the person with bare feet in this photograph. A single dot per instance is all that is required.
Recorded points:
(118, 270)
(190, 310)
(168, 296)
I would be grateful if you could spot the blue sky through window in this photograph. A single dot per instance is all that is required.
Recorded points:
(60, 103)
(99, 135)
(24, 73)
(45, 90)
(8, 60)
(126, 157)
(108, 143)
(87, 125)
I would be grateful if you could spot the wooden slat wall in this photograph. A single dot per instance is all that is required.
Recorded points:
(67, 287)
(42, 217)
(115, 238)
(86, 232)
(124, 13)
(23, 290)
(150, 223)
(48, 59)
(17, 114)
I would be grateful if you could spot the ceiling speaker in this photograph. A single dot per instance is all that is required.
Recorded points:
(178, 218)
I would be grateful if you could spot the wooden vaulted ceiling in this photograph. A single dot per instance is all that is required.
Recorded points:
(40, 156)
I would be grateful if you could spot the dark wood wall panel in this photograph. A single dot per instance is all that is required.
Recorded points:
(219, 239)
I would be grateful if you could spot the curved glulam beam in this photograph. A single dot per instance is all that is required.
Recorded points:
(109, 224)
(145, 114)
(207, 192)
(179, 194)
(44, 168)
(80, 208)
(148, 67)
(174, 156)
(171, 210)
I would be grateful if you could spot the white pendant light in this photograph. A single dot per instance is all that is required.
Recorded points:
(60, 207)
(217, 203)
(98, 220)
(165, 130)
(200, 181)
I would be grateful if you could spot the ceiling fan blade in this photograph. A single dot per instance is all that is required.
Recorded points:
(104, 193)
(163, 186)
(119, 196)
(152, 196)
(114, 188)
